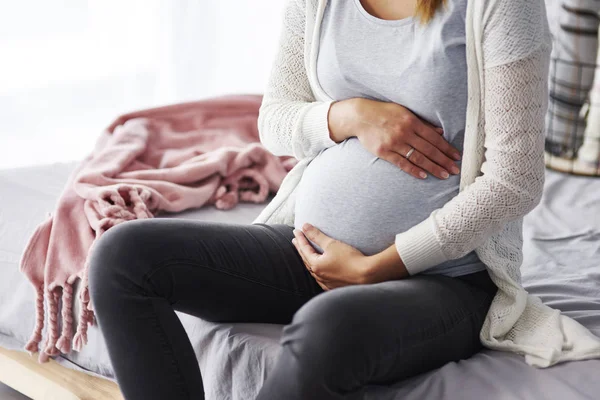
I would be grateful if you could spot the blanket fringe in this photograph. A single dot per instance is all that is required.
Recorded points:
(139, 202)
(42, 356)
(53, 297)
(64, 342)
(53, 344)
(80, 338)
(33, 345)
(85, 315)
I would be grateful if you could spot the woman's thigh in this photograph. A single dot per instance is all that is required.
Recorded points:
(216, 271)
(381, 333)
(142, 271)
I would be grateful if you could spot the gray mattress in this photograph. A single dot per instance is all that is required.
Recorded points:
(562, 266)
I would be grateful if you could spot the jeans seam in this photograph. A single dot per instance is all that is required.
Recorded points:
(174, 261)
(163, 334)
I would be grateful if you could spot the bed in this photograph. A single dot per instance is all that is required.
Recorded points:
(561, 265)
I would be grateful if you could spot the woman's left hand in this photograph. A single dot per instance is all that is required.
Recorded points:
(339, 265)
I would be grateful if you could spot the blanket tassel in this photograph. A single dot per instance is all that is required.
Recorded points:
(80, 338)
(86, 316)
(42, 356)
(64, 342)
(33, 345)
(53, 297)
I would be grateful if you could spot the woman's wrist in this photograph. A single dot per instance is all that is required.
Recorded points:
(343, 117)
(385, 266)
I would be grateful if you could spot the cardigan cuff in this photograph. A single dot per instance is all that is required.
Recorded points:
(315, 126)
(418, 247)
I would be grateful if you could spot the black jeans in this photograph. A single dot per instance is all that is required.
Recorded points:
(333, 342)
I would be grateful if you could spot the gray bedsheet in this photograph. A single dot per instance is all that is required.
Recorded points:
(562, 266)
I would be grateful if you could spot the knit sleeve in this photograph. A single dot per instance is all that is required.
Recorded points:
(290, 121)
(514, 102)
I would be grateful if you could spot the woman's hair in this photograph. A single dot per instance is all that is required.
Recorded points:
(426, 9)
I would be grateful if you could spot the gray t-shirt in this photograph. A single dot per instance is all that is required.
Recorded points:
(346, 191)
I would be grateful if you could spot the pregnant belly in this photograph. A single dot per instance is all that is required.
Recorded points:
(360, 199)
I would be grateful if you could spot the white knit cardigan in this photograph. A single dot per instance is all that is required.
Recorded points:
(508, 46)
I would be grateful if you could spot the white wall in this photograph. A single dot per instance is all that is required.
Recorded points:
(68, 67)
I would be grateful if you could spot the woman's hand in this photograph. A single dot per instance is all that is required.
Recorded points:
(339, 265)
(389, 131)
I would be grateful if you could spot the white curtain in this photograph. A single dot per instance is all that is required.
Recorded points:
(68, 67)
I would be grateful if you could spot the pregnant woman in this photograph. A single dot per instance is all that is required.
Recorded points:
(385, 252)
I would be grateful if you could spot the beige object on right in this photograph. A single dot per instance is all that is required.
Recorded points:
(573, 117)
(589, 152)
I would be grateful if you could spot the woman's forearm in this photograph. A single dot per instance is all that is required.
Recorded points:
(386, 266)
(512, 183)
(342, 119)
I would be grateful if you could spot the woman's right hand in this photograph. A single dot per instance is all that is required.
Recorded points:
(389, 131)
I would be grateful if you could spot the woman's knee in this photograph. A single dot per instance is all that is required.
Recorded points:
(325, 331)
(115, 256)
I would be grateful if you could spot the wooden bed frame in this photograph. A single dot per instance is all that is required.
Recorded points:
(52, 381)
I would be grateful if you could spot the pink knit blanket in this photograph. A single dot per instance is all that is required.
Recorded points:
(164, 159)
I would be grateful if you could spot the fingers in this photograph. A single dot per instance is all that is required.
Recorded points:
(433, 136)
(316, 235)
(431, 159)
(307, 264)
(435, 128)
(301, 252)
(417, 164)
(417, 158)
(307, 252)
(319, 280)
(405, 165)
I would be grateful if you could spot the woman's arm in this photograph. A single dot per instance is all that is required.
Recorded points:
(515, 100)
(290, 121)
